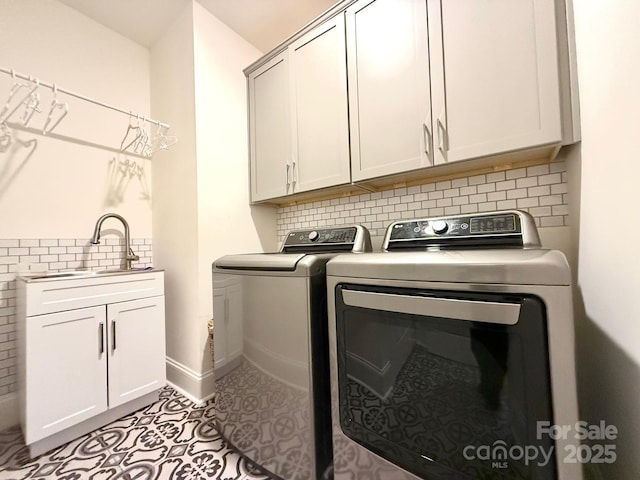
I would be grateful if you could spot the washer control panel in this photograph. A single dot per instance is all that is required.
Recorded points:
(505, 228)
(347, 238)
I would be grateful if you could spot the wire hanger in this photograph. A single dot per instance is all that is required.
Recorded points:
(162, 141)
(32, 84)
(55, 105)
(5, 137)
(131, 128)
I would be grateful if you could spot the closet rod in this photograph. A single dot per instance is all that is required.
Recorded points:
(81, 97)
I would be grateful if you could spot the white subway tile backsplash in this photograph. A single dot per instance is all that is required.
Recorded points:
(486, 187)
(29, 243)
(559, 188)
(549, 179)
(525, 203)
(478, 198)
(477, 179)
(506, 185)
(537, 170)
(516, 173)
(541, 190)
(495, 196)
(443, 185)
(518, 193)
(496, 177)
(459, 182)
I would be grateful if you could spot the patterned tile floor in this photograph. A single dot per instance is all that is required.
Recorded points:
(172, 439)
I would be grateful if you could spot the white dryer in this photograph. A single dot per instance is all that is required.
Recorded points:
(451, 351)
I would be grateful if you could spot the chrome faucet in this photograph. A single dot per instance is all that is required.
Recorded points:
(129, 256)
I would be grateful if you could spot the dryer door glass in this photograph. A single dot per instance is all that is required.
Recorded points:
(446, 384)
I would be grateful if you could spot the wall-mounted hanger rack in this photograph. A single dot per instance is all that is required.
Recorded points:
(82, 97)
(141, 149)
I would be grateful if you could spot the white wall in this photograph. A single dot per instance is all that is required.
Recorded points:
(608, 48)
(222, 152)
(62, 189)
(202, 186)
(174, 179)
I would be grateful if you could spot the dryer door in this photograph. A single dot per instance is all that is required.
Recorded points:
(446, 384)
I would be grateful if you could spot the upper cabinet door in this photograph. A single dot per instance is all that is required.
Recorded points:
(389, 103)
(270, 129)
(494, 77)
(319, 109)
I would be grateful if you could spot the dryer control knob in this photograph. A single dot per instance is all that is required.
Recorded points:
(313, 236)
(439, 226)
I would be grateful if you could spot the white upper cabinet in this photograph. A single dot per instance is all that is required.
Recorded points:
(299, 116)
(320, 133)
(389, 102)
(494, 77)
(429, 82)
(270, 129)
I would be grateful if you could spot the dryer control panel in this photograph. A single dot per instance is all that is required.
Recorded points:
(511, 228)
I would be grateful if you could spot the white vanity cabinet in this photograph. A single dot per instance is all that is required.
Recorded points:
(91, 349)
(298, 116)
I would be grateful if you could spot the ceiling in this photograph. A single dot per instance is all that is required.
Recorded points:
(263, 23)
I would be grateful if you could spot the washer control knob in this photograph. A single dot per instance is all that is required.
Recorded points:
(313, 236)
(439, 226)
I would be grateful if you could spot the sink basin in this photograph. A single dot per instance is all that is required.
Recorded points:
(31, 277)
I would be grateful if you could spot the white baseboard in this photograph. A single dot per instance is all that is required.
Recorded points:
(9, 411)
(197, 387)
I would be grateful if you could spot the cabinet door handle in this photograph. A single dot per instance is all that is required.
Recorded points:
(113, 334)
(442, 137)
(287, 176)
(101, 335)
(226, 309)
(427, 139)
(294, 178)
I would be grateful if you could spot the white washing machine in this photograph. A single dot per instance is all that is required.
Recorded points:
(271, 351)
(451, 352)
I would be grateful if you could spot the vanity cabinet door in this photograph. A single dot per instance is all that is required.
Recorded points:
(65, 370)
(136, 349)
